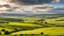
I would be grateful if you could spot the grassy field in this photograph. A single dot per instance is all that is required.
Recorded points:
(31, 26)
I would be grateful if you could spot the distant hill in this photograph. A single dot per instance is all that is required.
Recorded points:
(4, 14)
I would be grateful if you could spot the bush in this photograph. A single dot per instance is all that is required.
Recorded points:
(42, 33)
(6, 32)
(3, 30)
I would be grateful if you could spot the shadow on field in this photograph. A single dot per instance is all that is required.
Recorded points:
(11, 20)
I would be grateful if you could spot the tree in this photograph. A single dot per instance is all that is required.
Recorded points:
(40, 21)
(3, 30)
(45, 22)
(6, 32)
(7, 22)
(42, 33)
(0, 33)
(20, 20)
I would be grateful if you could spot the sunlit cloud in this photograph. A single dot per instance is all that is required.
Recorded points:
(16, 6)
(56, 1)
(2, 2)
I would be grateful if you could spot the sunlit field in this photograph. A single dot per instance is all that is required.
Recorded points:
(31, 26)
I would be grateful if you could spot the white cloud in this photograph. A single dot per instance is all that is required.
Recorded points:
(27, 8)
(2, 2)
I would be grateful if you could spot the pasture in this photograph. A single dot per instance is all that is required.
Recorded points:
(31, 26)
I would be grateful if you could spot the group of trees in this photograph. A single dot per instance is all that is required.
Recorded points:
(4, 22)
(7, 32)
(41, 21)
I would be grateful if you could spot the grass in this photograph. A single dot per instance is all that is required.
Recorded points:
(30, 27)
(26, 35)
(50, 31)
(23, 24)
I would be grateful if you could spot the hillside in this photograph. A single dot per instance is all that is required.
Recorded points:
(32, 25)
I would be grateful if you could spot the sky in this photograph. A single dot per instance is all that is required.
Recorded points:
(2, 2)
(54, 3)
(60, 3)
(57, 4)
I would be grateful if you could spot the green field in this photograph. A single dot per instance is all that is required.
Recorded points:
(31, 26)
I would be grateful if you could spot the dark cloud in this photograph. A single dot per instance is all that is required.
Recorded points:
(6, 5)
(29, 1)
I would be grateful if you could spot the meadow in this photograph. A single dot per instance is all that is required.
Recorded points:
(32, 25)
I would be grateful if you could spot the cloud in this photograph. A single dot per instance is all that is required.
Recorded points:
(18, 9)
(28, 1)
(2, 2)
(56, 1)
(6, 5)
